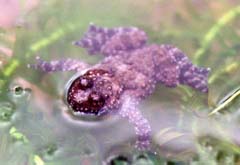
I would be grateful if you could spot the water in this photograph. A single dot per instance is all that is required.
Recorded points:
(36, 126)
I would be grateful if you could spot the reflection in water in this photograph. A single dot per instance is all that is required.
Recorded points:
(58, 137)
(53, 134)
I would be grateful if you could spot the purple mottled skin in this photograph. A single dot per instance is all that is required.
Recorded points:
(128, 74)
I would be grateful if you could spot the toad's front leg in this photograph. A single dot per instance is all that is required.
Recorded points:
(59, 65)
(141, 125)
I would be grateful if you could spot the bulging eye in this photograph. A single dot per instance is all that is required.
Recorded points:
(96, 101)
(89, 93)
(83, 95)
(92, 104)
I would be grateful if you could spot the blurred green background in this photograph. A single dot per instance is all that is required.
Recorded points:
(207, 31)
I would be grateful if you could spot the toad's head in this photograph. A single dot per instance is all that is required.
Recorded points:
(95, 92)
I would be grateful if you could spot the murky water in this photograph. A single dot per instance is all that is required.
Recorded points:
(36, 126)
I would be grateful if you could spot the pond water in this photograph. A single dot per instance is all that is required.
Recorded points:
(36, 126)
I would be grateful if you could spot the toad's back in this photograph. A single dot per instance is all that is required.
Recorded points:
(140, 69)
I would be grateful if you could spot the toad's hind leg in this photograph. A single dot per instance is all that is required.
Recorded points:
(173, 67)
(58, 65)
(112, 41)
(191, 75)
(141, 125)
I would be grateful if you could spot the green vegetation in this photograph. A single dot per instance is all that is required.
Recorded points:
(207, 31)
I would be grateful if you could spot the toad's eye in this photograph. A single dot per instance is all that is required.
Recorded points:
(84, 95)
(89, 103)
(81, 83)
(95, 101)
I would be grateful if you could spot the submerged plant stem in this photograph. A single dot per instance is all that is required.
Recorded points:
(54, 36)
(214, 30)
(228, 68)
(38, 160)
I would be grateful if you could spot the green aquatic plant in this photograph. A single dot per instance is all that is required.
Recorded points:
(212, 154)
(214, 31)
(42, 43)
(15, 134)
(38, 160)
(228, 99)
